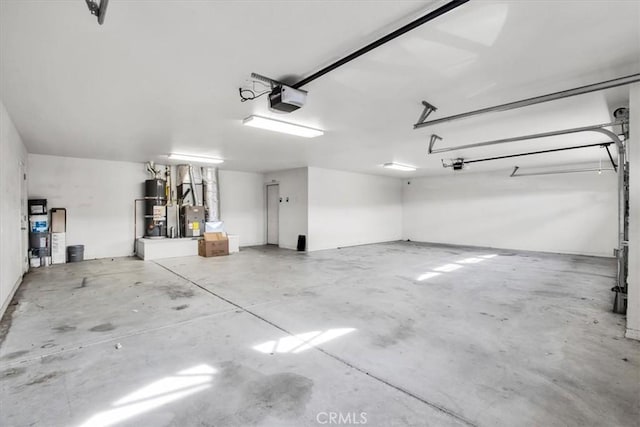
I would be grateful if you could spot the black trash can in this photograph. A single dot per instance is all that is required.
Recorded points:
(302, 242)
(75, 253)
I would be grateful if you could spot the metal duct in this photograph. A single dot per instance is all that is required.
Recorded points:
(192, 185)
(185, 184)
(182, 172)
(210, 192)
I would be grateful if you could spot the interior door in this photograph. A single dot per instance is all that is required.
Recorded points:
(273, 208)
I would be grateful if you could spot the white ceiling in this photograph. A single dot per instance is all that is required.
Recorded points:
(163, 76)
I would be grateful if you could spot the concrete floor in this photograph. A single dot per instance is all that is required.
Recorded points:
(277, 338)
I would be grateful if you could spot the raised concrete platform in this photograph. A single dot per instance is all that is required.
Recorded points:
(234, 243)
(148, 249)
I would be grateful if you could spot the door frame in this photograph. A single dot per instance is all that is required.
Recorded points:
(24, 216)
(266, 198)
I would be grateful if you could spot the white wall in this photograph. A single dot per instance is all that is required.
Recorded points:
(633, 301)
(347, 209)
(293, 215)
(242, 205)
(568, 213)
(13, 247)
(99, 198)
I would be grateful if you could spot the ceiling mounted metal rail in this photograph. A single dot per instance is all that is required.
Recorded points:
(531, 153)
(400, 31)
(555, 172)
(532, 101)
(594, 128)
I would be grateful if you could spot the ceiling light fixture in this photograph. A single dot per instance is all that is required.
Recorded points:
(399, 167)
(195, 159)
(284, 127)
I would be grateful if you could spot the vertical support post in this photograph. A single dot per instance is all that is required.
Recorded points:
(633, 146)
(621, 252)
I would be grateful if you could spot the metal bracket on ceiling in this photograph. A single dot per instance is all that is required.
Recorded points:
(267, 80)
(621, 114)
(428, 109)
(98, 9)
(432, 142)
(622, 117)
(456, 164)
(250, 93)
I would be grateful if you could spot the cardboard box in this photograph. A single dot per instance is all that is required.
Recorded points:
(209, 248)
(58, 220)
(214, 237)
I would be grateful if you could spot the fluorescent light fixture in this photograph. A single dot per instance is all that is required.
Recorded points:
(283, 127)
(195, 159)
(399, 167)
